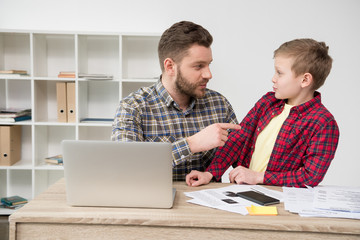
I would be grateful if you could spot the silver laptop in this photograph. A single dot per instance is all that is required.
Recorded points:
(118, 174)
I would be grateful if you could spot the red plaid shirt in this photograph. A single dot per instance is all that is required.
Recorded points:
(303, 150)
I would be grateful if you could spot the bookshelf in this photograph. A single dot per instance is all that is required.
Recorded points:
(131, 58)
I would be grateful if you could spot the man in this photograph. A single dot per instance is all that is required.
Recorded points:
(179, 108)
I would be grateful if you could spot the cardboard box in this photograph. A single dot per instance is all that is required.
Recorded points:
(10, 145)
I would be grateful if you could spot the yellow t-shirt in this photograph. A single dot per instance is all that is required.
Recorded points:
(266, 140)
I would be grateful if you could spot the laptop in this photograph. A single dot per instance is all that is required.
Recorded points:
(118, 174)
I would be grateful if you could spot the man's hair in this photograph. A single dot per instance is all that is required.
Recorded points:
(175, 41)
(309, 56)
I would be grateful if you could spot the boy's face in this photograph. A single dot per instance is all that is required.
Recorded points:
(193, 73)
(286, 84)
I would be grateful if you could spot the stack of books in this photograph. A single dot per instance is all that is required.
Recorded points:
(13, 202)
(95, 76)
(54, 160)
(11, 115)
(13, 73)
(66, 75)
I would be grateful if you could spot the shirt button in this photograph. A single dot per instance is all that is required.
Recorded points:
(258, 129)
(273, 114)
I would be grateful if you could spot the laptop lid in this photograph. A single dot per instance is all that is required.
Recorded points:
(118, 174)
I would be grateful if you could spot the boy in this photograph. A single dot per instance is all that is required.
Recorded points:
(288, 138)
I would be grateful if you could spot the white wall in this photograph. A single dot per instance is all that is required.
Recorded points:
(246, 32)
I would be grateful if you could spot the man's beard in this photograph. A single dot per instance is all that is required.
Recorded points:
(184, 86)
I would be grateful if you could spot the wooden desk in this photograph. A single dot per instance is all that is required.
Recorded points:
(48, 217)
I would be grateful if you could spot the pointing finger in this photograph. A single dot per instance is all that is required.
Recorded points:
(230, 126)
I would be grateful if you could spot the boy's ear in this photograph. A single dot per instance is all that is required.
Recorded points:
(307, 80)
(169, 66)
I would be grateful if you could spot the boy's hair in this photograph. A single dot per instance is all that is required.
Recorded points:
(309, 56)
(176, 40)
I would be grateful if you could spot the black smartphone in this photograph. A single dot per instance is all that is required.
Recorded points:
(259, 198)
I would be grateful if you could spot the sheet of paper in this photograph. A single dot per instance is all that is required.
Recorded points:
(297, 199)
(323, 201)
(225, 198)
(345, 199)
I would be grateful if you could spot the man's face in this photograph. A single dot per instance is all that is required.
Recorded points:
(193, 73)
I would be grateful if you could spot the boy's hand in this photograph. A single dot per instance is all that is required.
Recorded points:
(210, 137)
(196, 178)
(241, 175)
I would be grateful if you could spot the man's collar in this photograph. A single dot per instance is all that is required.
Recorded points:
(163, 93)
(167, 99)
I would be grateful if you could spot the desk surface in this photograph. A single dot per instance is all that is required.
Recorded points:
(50, 207)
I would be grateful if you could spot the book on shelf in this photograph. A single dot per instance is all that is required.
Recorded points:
(14, 119)
(55, 160)
(66, 75)
(95, 76)
(13, 72)
(13, 200)
(14, 112)
(96, 120)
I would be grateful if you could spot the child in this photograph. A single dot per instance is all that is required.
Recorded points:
(288, 138)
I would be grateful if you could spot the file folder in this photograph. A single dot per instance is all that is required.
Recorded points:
(10, 145)
(61, 101)
(71, 113)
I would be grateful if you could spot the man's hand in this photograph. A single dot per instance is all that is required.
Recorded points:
(242, 175)
(210, 137)
(196, 178)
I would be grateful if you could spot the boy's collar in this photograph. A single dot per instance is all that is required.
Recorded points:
(305, 107)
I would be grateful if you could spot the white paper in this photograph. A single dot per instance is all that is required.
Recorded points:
(219, 198)
(323, 201)
(337, 199)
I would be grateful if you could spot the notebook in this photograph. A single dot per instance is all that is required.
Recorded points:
(118, 174)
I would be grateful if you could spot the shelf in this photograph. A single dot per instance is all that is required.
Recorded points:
(95, 132)
(53, 53)
(20, 183)
(15, 93)
(15, 51)
(98, 99)
(131, 59)
(48, 141)
(99, 54)
(140, 58)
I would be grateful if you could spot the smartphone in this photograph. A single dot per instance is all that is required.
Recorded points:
(259, 198)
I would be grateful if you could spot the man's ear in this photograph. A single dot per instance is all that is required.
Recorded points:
(169, 66)
(307, 80)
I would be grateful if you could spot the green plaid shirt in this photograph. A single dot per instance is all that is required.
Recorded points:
(150, 114)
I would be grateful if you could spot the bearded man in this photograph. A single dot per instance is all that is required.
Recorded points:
(179, 108)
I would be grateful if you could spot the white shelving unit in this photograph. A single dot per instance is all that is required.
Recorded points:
(131, 58)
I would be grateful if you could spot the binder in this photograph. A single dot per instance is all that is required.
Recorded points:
(10, 145)
(71, 113)
(61, 101)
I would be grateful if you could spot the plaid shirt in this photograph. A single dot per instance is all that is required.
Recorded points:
(303, 150)
(151, 115)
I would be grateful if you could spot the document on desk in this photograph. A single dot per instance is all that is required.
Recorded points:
(346, 199)
(226, 199)
(323, 201)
